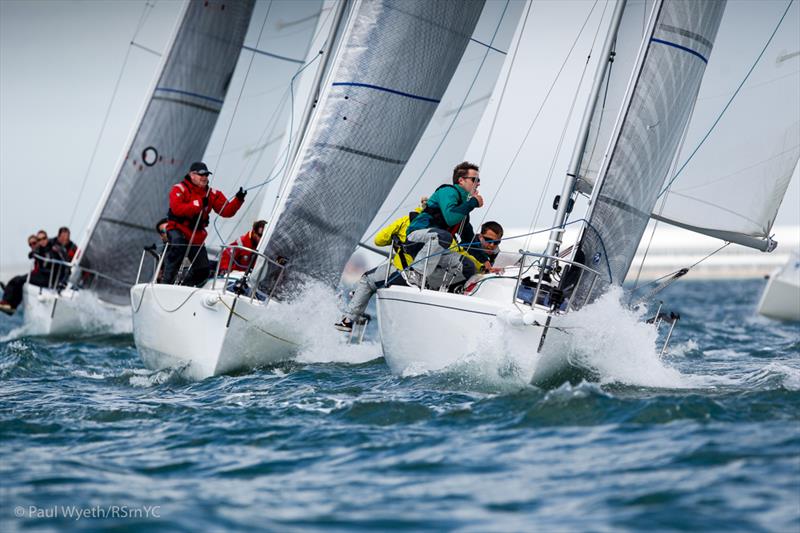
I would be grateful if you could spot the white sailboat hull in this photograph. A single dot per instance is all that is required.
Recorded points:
(424, 331)
(193, 328)
(781, 296)
(70, 312)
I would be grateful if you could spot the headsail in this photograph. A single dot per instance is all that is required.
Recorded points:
(660, 98)
(173, 131)
(732, 187)
(390, 72)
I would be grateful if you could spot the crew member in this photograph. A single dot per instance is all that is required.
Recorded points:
(446, 216)
(242, 257)
(190, 204)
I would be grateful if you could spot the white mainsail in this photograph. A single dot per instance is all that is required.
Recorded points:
(173, 131)
(395, 61)
(660, 98)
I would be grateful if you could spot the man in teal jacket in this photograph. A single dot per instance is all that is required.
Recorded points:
(446, 215)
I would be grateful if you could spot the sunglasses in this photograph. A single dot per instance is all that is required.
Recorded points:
(42, 239)
(32, 243)
(473, 178)
(162, 231)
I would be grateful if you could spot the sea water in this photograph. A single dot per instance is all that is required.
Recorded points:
(703, 438)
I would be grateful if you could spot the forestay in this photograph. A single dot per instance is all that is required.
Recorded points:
(389, 74)
(733, 185)
(173, 131)
(648, 131)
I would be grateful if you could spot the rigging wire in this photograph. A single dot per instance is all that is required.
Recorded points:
(241, 89)
(505, 82)
(449, 127)
(539, 111)
(535, 219)
(730, 101)
(140, 24)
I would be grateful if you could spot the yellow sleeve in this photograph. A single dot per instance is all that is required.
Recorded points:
(478, 264)
(398, 227)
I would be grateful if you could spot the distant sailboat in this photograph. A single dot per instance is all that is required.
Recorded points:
(781, 296)
(385, 68)
(173, 130)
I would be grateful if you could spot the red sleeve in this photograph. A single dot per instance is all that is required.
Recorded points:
(180, 203)
(221, 205)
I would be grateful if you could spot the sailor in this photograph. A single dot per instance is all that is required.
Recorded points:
(62, 247)
(446, 216)
(394, 234)
(239, 258)
(12, 293)
(40, 273)
(190, 204)
(486, 246)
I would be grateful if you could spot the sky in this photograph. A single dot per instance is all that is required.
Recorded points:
(60, 61)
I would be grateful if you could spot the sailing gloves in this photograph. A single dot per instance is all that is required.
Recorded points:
(241, 194)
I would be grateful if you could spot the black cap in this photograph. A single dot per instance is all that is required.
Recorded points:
(200, 168)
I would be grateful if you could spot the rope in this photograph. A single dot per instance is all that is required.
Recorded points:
(250, 324)
(658, 280)
(730, 101)
(139, 25)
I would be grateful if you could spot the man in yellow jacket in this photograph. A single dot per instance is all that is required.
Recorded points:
(374, 279)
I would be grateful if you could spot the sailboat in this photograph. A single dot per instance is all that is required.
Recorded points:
(384, 69)
(781, 297)
(172, 131)
(424, 330)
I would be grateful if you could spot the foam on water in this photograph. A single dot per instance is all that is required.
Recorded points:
(94, 318)
(309, 318)
(615, 344)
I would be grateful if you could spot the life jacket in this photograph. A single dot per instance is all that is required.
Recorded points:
(236, 258)
(190, 222)
(437, 218)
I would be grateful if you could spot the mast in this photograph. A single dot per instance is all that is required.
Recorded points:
(557, 233)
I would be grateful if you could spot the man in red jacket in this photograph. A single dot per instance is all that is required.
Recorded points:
(242, 259)
(190, 204)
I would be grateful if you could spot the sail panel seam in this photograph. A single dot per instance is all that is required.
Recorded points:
(275, 56)
(189, 93)
(679, 47)
(184, 102)
(361, 153)
(385, 89)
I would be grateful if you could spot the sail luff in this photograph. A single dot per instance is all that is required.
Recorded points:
(174, 130)
(395, 63)
(342, 24)
(646, 138)
(137, 125)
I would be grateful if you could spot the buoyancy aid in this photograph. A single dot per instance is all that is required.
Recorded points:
(237, 258)
(435, 212)
(187, 210)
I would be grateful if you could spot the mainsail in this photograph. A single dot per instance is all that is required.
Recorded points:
(660, 98)
(389, 74)
(173, 131)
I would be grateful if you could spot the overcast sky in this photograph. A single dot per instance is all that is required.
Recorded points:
(60, 60)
